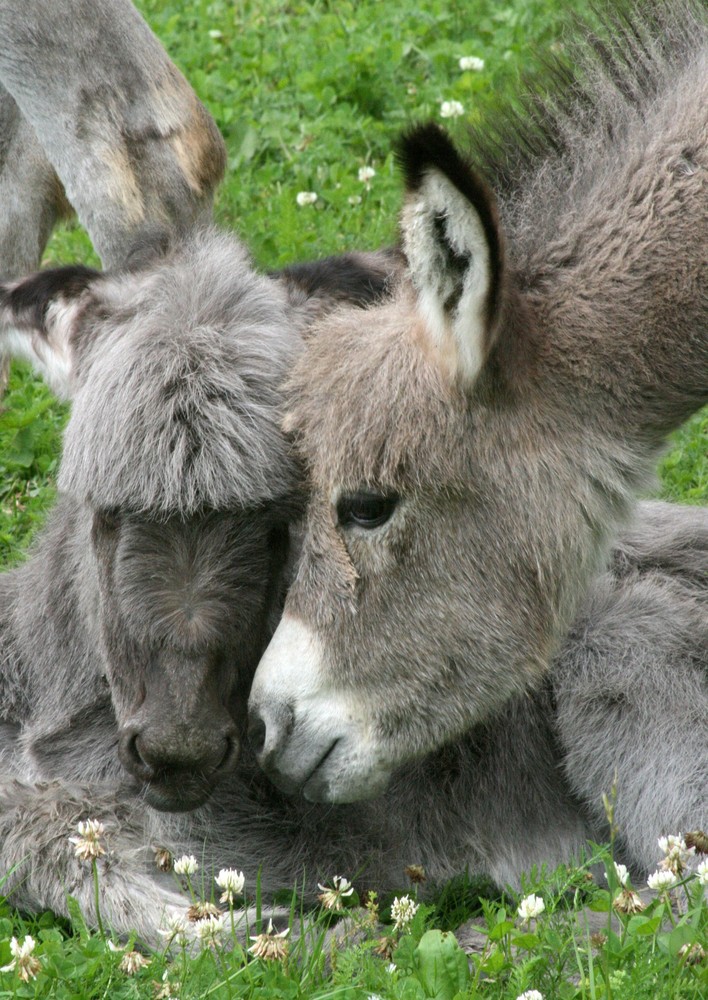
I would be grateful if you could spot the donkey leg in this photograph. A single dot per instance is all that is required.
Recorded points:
(632, 701)
(31, 195)
(138, 154)
(31, 199)
(42, 870)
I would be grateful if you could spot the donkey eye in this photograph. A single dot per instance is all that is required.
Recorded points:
(367, 510)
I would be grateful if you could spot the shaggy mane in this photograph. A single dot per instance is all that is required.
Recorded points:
(624, 61)
(536, 150)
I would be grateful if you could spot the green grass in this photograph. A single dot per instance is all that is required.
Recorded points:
(306, 93)
(642, 956)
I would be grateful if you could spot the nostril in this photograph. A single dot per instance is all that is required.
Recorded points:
(256, 733)
(231, 755)
(133, 759)
(269, 729)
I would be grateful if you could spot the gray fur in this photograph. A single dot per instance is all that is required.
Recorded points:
(111, 590)
(503, 412)
(105, 117)
(205, 409)
(154, 583)
(31, 195)
(117, 599)
(152, 590)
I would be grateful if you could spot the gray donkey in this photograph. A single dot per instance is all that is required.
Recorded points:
(474, 444)
(128, 640)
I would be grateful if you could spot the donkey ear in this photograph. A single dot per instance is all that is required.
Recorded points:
(453, 244)
(39, 318)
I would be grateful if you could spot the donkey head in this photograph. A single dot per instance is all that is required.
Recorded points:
(183, 487)
(461, 496)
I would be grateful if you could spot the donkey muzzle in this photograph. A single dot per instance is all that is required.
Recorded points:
(178, 769)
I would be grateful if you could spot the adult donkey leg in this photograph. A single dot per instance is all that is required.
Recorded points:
(31, 195)
(31, 199)
(138, 154)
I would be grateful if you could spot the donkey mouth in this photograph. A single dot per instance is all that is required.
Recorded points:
(331, 780)
(305, 782)
(179, 793)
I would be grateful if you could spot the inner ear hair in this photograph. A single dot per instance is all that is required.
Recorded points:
(428, 149)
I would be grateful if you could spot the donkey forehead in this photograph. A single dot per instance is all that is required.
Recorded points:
(195, 579)
(368, 405)
(188, 539)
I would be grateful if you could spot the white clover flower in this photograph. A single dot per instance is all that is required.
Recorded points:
(232, 882)
(22, 959)
(306, 198)
(354, 199)
(216, 34)
(471, 62)
(88, 846)
(186, 865)
(661, 880)
(133, 962)
(403, 909)
(331, 898)
(270, 946)
(673, 844)
(677, 853)
(702, 872)
(530, 907)
(451, 109)
(530, 995)
(202, 910)
(209, 931)
(366, 174)
(621, 873)
(176, 927)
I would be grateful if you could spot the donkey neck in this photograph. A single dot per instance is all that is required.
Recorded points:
(616, 270)
(633, 360)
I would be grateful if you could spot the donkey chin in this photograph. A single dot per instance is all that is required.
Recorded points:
(306, 737)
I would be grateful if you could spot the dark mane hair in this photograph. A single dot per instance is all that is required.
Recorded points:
(619, 54)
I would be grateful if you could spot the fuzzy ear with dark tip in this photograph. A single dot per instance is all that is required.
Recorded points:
(453, 244)
(39, 317)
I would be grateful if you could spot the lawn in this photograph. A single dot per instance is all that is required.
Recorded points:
(306, 94)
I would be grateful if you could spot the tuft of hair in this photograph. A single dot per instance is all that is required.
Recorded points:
(177, 402)
(428, 146)
(540, 153)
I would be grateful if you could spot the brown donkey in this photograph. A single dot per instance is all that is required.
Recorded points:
(474, 444)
